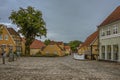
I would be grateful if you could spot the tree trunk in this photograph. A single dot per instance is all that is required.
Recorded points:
(27, 50)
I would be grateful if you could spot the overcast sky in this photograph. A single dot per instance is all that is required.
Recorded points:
(66, 19)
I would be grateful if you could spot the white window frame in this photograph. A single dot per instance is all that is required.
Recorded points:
(102, 32)
(115, 29)
(108, 31)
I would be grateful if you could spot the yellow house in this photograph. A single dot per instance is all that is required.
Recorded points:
(9, 39)
(90, 46)
(36, 47)
(67, 49)
(82, 49)
(54, 49)
(60, 44)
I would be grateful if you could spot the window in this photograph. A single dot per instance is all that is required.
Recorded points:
(11, 46)
(1, 37)
(108, 31)
(6, 37)
(115, 52)
(103, 52)
(4, 46)
(115, 29)
(109, 52)
(102, 33)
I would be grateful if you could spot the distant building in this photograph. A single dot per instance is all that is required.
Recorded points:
(67, 50)
(109, 37)
(90, 47)
(54, 48)
(10, 39)
(36, 47)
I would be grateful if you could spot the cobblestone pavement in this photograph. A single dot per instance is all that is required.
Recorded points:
(58, 68)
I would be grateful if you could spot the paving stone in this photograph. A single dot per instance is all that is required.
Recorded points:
(58, 68)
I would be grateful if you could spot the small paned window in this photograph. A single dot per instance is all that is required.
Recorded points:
(6, 37)
(4, 46)
(102, 33)
(115, 29)
(108, 32)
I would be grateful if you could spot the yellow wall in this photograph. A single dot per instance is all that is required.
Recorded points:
(62, 46)
(52, 49)
(82, 50)
(95, 48)
(34, 51)
(67, 51)
(87, 49)
(10, 40)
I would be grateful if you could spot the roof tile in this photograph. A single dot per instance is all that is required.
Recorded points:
(90, 39)
(37, 44)
(114, 16)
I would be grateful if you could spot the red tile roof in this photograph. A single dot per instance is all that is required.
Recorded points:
(57, 43)
(37, 44)
(114, 16)
(90, 39)
(12, 31)
(54, 42)
(67, 47)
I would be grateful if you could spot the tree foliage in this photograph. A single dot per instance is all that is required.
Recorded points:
(30, 24)
(47, 41)
(74, 44)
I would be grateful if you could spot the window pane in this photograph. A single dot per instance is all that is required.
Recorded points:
(103, 52)
(109, 51)
(6, 37)
(3, 46)
(115, 52)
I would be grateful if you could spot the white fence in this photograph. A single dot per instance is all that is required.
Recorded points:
(79, 57)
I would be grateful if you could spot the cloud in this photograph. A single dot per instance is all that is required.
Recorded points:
(5, 23)
(66, 19)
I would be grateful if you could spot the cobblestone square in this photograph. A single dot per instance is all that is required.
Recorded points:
(58, 68)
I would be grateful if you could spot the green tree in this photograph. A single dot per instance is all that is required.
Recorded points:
(30, 24)
(74, 44)
(47, 41)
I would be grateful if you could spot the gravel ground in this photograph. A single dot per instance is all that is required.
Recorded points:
(58, 68)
